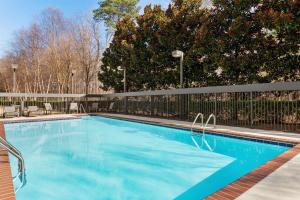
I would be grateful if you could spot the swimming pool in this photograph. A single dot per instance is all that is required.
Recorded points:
(101, 158)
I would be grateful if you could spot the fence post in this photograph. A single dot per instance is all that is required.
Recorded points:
(125, 104)
(151, 105)
(167, 106)
(22, 107)
(215, 105)
(251, 109)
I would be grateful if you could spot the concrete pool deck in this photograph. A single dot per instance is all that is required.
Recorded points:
(282, 184)
(40, 118)
(277, 179)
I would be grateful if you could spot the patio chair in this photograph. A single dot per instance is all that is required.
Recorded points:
(32, 109)
(111, 106)
(107, 108)
(73, 107)
(48, 108)
(10, 111)
(95, 107)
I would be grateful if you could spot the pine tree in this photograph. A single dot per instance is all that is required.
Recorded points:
(112, 11)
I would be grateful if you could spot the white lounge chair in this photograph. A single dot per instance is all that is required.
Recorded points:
(107, 108)
(48, 108)
(10, 111)
(74, 107)
(32, 109)
(111, 106)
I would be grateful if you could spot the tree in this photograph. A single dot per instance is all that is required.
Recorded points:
(145, 48)
(60, 58)
(112, 11)
(134, 48)
(231, 41)
(27, 53)
(185, 18)
(151, 63)
(4, 86)
(49, 49)
(119, 54)
(87, 50)
(280, 20)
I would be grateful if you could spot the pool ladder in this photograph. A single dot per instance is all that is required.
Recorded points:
(211, 116)
(206, 124)
(195, 120)
(21, 164)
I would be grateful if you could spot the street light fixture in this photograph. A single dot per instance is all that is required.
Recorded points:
(14, 67)
(179, 54)
(72, 74)
(124, 74)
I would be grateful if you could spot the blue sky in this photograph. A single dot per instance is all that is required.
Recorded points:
(17, 14)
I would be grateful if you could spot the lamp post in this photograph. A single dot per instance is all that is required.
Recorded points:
(14, 67)
(124, 74)
(179, 54)
(72, 75)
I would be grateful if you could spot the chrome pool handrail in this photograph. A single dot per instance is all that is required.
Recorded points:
(195, 120)
(209, 118)
(21, 164)
(203, 131)
(204, 141)
(192, 128)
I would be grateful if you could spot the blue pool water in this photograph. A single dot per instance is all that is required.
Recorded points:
(97, 158)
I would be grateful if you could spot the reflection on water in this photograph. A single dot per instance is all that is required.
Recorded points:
(204, 143)
(99, 158)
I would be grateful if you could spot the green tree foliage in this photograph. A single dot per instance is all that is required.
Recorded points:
(112, 11)
(151, 63)
(234, 42)
(281, 22)
(118, 56)
(185, 19)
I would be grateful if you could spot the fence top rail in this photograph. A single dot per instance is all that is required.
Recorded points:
(265, 87)
(278, 86)
(38, 95)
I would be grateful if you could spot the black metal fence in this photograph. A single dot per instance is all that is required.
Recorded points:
(274, 106)
(60, 103)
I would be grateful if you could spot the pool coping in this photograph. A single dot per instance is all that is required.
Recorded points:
(7, 191)
(231, 191)
(244, 183)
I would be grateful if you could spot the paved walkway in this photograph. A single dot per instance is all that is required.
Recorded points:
(282, 184)
(40, 118)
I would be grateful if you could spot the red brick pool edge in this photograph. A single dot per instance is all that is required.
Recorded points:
(6, 184)
(238, 187)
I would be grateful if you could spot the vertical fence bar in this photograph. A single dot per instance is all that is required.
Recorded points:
(251, 109)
